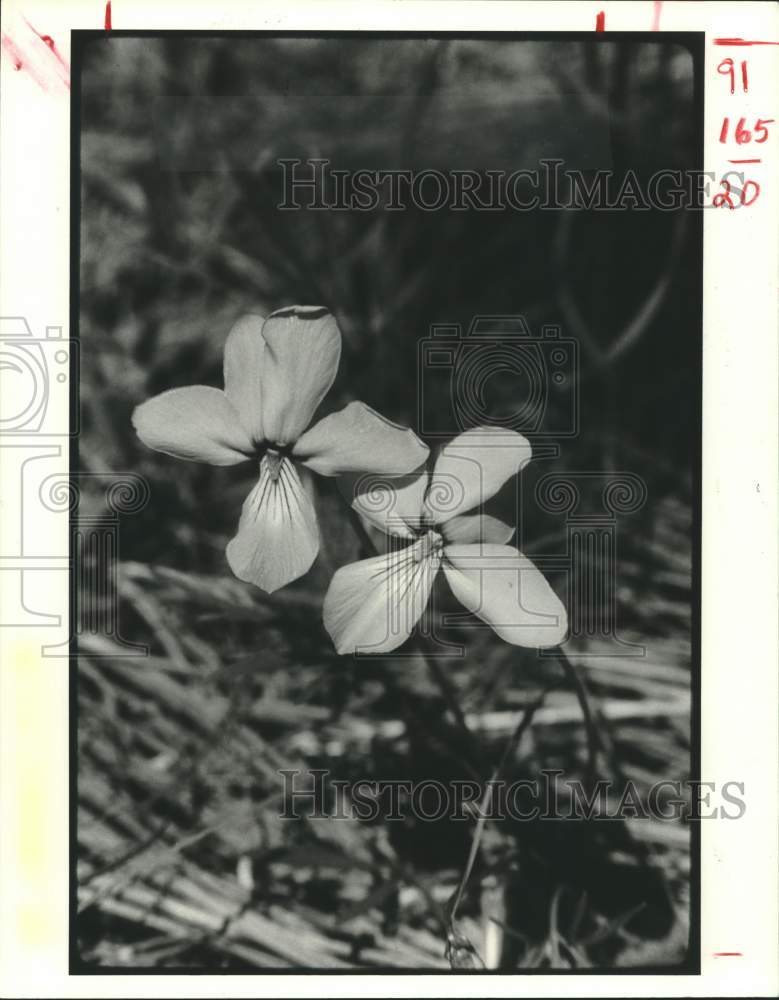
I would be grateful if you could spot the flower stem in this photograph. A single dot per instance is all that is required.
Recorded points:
(512, 743)
(574, 674)
(449, 693)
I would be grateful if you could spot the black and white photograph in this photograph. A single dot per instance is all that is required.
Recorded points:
(388, 509)
(388, 523)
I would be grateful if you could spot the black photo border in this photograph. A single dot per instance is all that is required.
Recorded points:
(694, 43)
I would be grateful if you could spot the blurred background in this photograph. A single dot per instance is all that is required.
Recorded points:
(183, 861)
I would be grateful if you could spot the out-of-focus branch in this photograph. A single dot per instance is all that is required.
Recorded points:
(631, 333)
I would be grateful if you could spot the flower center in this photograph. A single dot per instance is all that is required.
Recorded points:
(274, 460)
(429, 544)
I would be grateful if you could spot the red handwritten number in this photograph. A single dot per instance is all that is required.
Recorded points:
(722, 199)
(760, 126)
(752, 200)
(743, 134)
(726, 68)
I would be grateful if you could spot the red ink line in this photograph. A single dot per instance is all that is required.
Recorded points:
(728, 954)
(108, 16)
(656, 18)
(24, 63)
(37, 62)
(13, 52)
(600, 22)
(745, 161)
(740, 41)
(48, 40)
